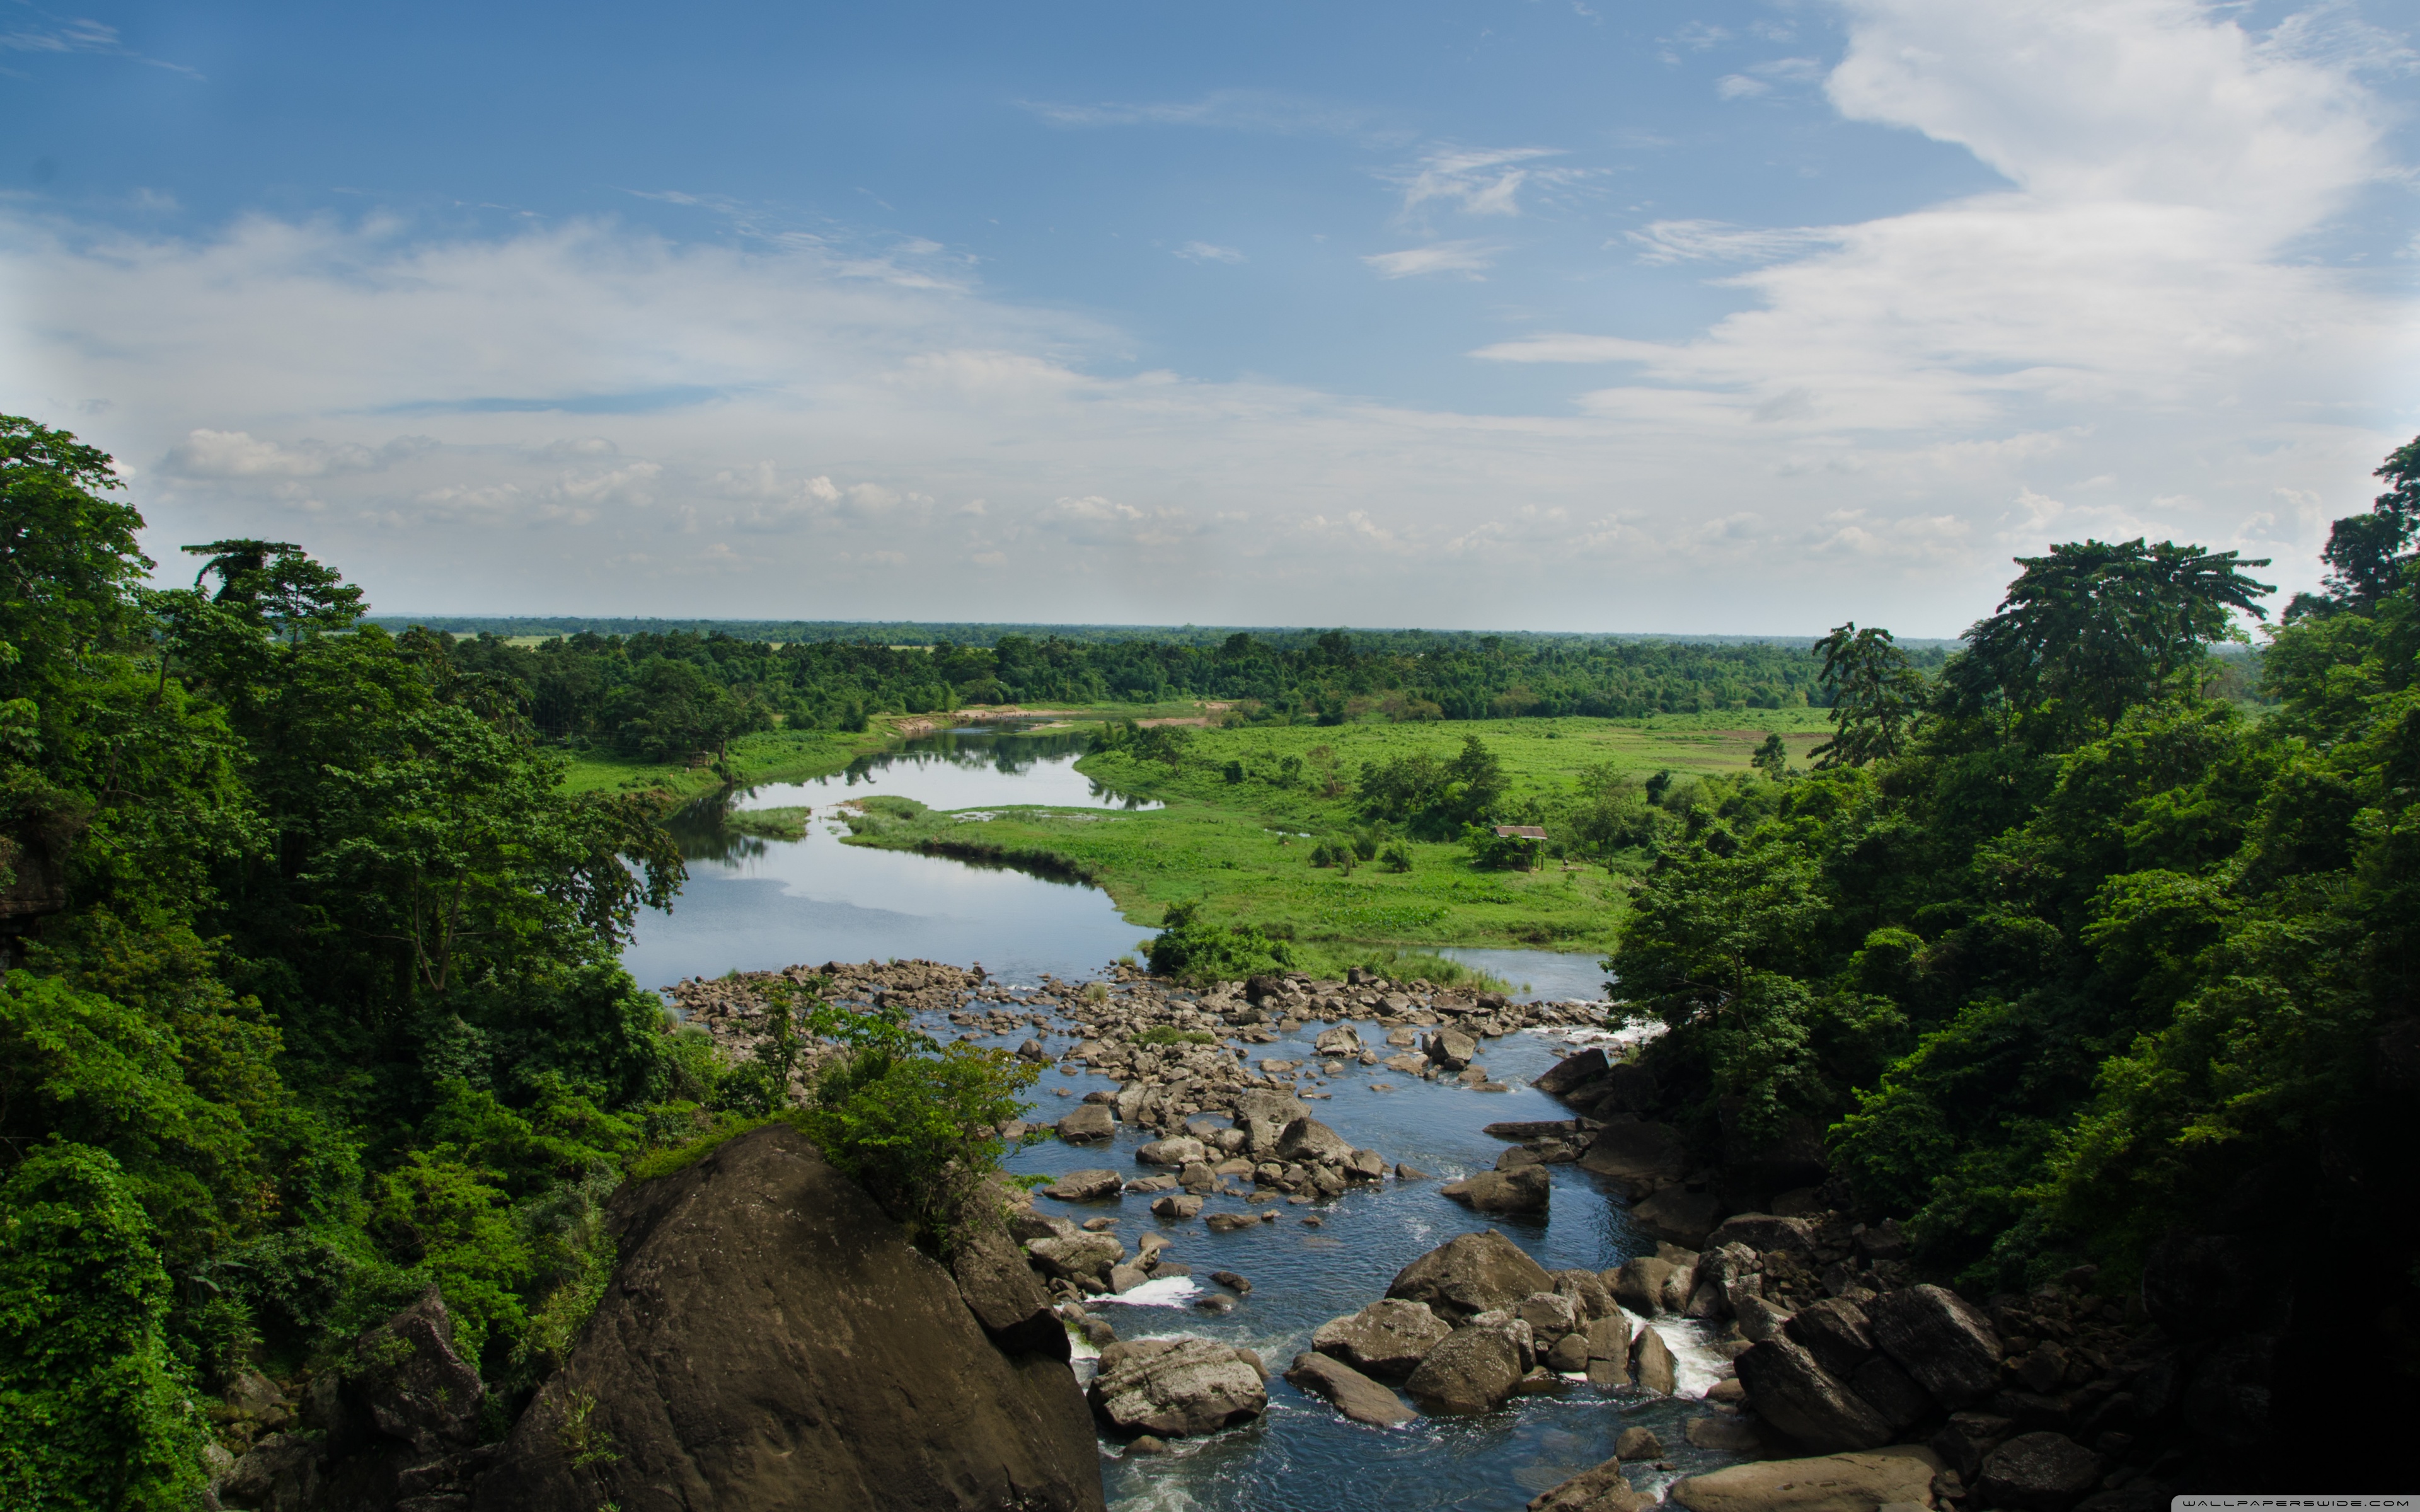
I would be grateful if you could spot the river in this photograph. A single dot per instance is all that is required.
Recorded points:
(754, 905)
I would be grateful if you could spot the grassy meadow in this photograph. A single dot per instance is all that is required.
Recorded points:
(1239, 837)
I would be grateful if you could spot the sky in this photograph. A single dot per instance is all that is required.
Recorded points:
(1555, 314)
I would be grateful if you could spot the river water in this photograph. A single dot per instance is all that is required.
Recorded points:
(759, 904)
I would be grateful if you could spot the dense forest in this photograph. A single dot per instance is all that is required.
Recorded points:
(2065, 959)
(671, 694)
(313, 998)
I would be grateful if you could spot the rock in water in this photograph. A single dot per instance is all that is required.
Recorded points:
(2040, 1472)
(1088, 1124)
(1086, 1187)
(1938, 1339)
(1385, 1339)
(1180, 1151)
(1608, 1352)
(1830, 1483)
(1354, 1394)
(1793, 1392)
(1472, 1370)
(703, 1369)
(1678, 1214)
(1601, 1490)
(1264, 1115)
(1072, 1259)
(1470, 1275)
(1169, 1387)
(1570, 1070)
(1526, 1190)
(1639, 1284)
(1312, 1142)
(1651, 1363)
(1638, 1157)
(1003, 1293)
(1638, 1444)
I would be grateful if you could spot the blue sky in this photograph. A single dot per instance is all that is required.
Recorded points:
(1740, 318)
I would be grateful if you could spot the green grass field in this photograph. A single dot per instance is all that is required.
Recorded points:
(1242, 847)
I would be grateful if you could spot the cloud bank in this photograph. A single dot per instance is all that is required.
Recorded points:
(2129, 338)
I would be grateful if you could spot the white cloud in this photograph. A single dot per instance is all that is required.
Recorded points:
(601, 420)
(1740, 87)
(1205, 252)
(1438, 258)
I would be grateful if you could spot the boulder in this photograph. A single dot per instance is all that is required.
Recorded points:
(1314, 1143)
(1228, 1223)
(701, 1370)
(1090, 1123)
(1470, 1275)
(1884, 1241)
(1073, 1259)
(1264, 1115)
(1792, 1392)
(1179, 1386)
(1085, 1186)
(1638, 1444)
(1180, 1150)
(1638, 1157)
(1365, 1166)
(1724, 1434)
(1678, 1215)
(280, 1471)
(1941, 1341)
(1003, 1293)
(1608, 1352)
(2040, 1472)
(1353, 1393)
(1567, 1074)
(1452, 1049)
(1835, 1333)
(1586, 1292)
(1386, 1340)
(412, 1384)
(1601, 1490)
(1762, 1231)
(1758, 1319)
(1470, 1370)
(1550, 1315)
(1652, 1364)
(1178, 1205)
(1639, 1284)
(1857, 1482)
(1627, 1087)
(1526, 1190)
(1340, 1041)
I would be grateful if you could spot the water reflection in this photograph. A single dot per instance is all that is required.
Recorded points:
(964, 768)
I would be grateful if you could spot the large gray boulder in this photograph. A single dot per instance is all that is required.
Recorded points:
(1792, 1392)
(770, 1339)
(1340, 1041)
(1085, 1186)
(1835, 1332)
(2040, 1472)
(1074, 1259)
(1473, 1370)
(1901, 1474)
(1526, 1190)
(1264, 1115)
(1652, 1364)
(1608, 1350)
(1939, 1340)
(1314, 1143)
(1385, 1340)
(1762, 1231)
(1638, 1157)
(1089, 1124)
(1469, 1274)
(1180, 1150)
(1003, 1293)
(1176, 1387)
(1452, 1049)
(1640, 1284)
(1354, 1394)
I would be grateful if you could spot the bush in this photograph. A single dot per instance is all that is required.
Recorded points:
(1397, 857)
(93, 1412)
(1165, 1034)
(1191, 948)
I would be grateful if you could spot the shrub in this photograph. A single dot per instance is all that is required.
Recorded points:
(1191, 948)
(1170, 1034)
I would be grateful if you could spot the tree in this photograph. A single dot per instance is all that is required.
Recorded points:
(2366, 554)
(1876, 693)
(1772, 758)
(2097, 628)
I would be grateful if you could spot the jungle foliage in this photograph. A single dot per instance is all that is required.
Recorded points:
(312, 995)
(2058, 952)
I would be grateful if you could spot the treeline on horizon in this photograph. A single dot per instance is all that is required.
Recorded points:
(669, 695)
